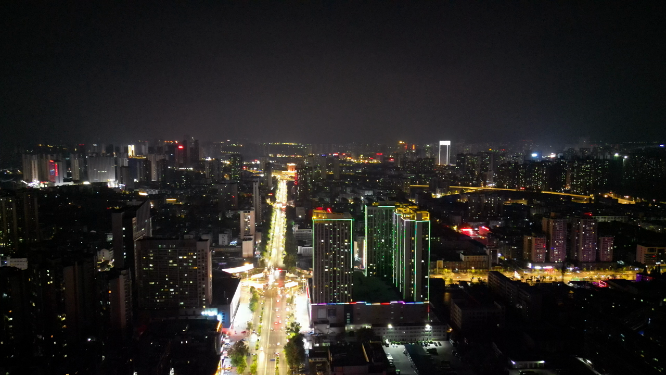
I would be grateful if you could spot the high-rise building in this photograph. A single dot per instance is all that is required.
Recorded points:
(256, 200)
(333, 257)
(19, 222)
(101, 168)
(304, 181)
(247, 232)
(379, 239)
(228, 195)
(268, 175)
(18, 326)
(247, 220)
(584, 240)
(129, 225)
(8, 226)
(79, 295)
(605, 249)
(534, 248)
(444, 157)
(235, 167)
(556, 238)
(411, 253)
(77, 167)
(173, 274)
(30, 168)
(115, 310)
(154, 168)
(336, 167)
(194, 153)
(181, 155)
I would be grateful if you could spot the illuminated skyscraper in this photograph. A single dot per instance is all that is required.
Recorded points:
(181, 155)
(444, 153)
(411, 253)
(379, 239)
(57, 172)
(235, 167)
(333, 257)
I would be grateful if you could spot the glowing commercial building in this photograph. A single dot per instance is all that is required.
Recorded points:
(333, 257)
(411, 253)
(444, 153)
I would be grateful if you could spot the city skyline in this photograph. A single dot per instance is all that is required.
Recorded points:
(372, 71)
(376, 187)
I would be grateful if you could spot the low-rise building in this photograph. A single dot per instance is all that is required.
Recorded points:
(469, 314)
(650, 255)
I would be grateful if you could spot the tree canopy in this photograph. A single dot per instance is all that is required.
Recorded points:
(294, 351)
(238, 355)
(293, 329)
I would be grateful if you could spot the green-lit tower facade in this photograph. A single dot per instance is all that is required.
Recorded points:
(411, 253)
(378, 259)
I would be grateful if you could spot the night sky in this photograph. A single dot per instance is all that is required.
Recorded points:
(332, 71)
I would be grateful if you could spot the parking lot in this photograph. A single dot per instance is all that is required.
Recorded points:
(402, 363)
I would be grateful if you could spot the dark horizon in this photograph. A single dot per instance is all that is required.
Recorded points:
(333, 72)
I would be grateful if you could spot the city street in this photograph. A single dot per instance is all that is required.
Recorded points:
(268, 328)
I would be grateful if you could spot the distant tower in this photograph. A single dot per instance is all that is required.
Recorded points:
(534, 248)
(256, 200)
(56, 172)
(556, 236)
(247, 232)
(444, 153)
(605, 249)
(584, 239)
(235, 167)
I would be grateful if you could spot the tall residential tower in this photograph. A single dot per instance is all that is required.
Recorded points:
(411, 254)
(379, 239)
(333, 257)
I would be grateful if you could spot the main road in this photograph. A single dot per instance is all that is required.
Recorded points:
(274, 318)
(283, 298)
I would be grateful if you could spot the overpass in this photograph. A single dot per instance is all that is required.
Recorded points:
(577, 197)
